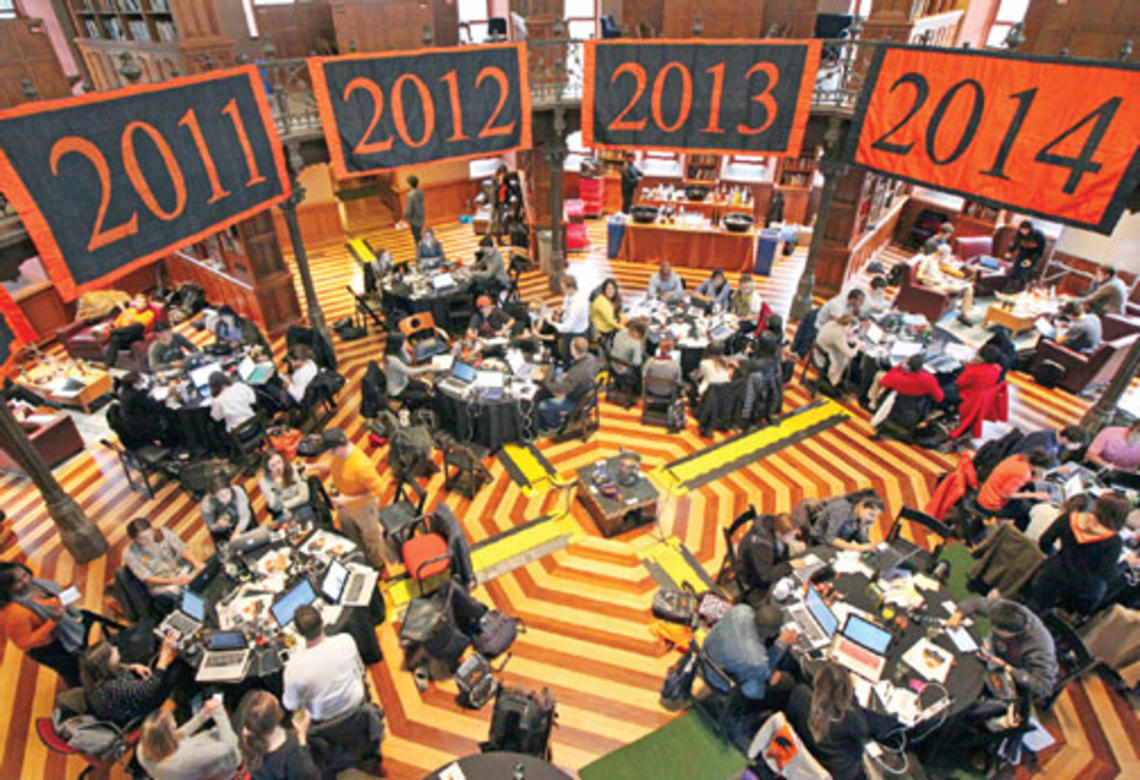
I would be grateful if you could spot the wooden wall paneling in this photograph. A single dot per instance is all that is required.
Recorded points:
(26, 53)
(445, 201)
(791, 18)
(43, 307)
(642, 18)
(445, 23)
(273, 284)
(380, 25)
(722, 20)
(298, 29)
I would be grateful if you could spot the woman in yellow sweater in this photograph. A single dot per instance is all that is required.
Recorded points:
(605, 310)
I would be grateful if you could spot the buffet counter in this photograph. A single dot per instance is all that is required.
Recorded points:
(689, 246)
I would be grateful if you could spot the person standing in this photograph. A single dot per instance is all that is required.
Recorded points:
(414, 208)
(358, 489)
(630, 178)
(1025, 252)
(326, 676)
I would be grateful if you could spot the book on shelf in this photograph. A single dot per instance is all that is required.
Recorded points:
(93, 29)
(139, 30)
(166, 31)
(159, 6)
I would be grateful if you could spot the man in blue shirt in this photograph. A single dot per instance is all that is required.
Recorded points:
(748, 644)
(714, 291)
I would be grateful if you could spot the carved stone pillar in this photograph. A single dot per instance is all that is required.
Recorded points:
(832, 168)
(1100, 414)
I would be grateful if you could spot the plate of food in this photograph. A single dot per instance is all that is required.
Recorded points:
(274, 562)
(327, 545)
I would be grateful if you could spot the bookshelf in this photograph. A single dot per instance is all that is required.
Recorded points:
(794, 177)
(145, 21)
(702, 169)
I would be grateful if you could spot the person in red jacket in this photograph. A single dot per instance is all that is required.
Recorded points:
(911, 379)
(980, 394)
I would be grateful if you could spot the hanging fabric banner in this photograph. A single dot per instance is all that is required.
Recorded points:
(109, 181)
(15, 331)
(720, 96)
(403, 108)
(1054, 137)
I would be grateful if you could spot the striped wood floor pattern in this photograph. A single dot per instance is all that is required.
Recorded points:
(586, 606)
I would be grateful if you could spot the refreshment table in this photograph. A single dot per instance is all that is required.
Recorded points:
(689, 245)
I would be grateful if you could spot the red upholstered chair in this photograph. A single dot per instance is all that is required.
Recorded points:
(915, 298)
(84, 342)
(56, 440)
(425, 550)
(1084, 370)
(970, 247)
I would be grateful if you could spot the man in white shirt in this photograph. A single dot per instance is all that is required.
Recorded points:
(575, 319)
(233, 402)
(327, 676)
(304, 368)
(851, 303)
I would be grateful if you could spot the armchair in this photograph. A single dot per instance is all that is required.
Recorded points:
(989, 280)
(1098, 367)
(83, 340)
(56, 439)
(915, 298)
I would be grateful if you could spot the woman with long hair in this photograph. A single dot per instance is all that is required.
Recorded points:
(403, 378)
(271, 751)
(715, 368)
(123, 693)
(286, 492)
(828, 719)
(225, 510)
(190, 752)
(605, 309)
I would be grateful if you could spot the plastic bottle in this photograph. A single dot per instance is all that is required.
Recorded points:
(519, 773)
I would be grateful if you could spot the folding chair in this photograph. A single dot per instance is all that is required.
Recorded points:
(584, 417)
(463, 469)
(911, 518)
(622, 381)
(145, 461)
(728, 576)
(655, 405)
(398, 517)
(722, 700)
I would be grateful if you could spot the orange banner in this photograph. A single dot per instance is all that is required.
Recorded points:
(15, 331)
(1057, 138)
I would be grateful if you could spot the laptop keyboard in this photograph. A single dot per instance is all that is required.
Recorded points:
(225, 658)
(808, 627)
(355, 586)
(182, 624)
(858, 653)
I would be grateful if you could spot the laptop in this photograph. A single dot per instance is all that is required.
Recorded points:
(348, 587)
(254, 373)
(874, 333)
(200, 377)
(816, 621)
(443, 281)
(1072, 486)
(861, 647)
(226, 658)
(187, 619)
(285, 607)
(518, 365)
(462, 375)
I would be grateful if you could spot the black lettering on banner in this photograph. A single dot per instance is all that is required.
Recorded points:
(672, 95)
(399, 109)
(107, 181)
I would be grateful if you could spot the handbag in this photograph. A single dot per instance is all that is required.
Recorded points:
(476, 681)
(675, 606)
(497, 632)
(678, 683)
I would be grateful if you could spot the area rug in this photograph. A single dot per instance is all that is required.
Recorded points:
(684, 749)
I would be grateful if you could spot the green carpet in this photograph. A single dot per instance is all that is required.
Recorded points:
(684, 749)
(958, 555)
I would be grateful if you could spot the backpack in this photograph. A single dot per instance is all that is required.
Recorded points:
(497, 632)
(678, 683)
(675, 606)
(994, 452)
(410, 451)
(521, 722)
(349, 329)
(1049, 374)
(88, 735)
(676, 416)
(476, 681)
(195, 477)
(285, 440)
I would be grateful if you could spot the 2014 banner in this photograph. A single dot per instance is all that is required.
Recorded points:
(399, 109)
(108, 181)
(719, 96)
(1058, 138)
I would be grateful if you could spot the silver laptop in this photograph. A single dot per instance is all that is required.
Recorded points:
(200, 377)
(187, 619)
(226, 658)
(816, 621)
(348, 587)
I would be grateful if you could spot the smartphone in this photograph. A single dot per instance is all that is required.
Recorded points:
(70, 596)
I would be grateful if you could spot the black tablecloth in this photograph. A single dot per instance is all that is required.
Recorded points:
(438, 304)
(967, 676)
(500, 766)
(489, 424)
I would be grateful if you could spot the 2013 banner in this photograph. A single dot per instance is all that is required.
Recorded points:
(718, 96)
(108, 181)
(1058, 138)
(398, 109)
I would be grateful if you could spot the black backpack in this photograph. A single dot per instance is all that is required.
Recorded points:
(521, 722)
(678, 683)
(1049, 374)
(994, 452)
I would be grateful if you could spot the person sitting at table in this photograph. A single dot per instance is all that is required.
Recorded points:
(714, 369)
(159, 560)
(763, 554)
(1025, 252)
(1061, 445)
(1006, 350)
(271, 751)
(942, 237)
(490, 271)
(1110, 293)
(383, 264)
(850, 304)
(488, 321)
(130, 325)
(714, 292)
(627, 353)
(845, 522)
(833, 727)
(233, 332)
(33, 618)
(1022, 647)
(834, 340)
(574, 319)
(876, 302)
(662, 372)
(285, 490)
(302, 370)
(747, 305)
(565, 392)
(225, 510)
(401, 377)
(1083, 331)
(357, 495)
(978, 378)
(429, 251)
(231, 402)
(911, 379)
(124, 693)
(664, 285)
(748, 644)
(190, 752)
(932, 272)
(605, 311)
(1084, 549)
(168, 349)
(1116, 447)
(142, 420)
(326, 676)
(1003, 494)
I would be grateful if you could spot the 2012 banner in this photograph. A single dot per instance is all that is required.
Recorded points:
(398, 109)
(1058, 138)
(108, 181)
(719, 96)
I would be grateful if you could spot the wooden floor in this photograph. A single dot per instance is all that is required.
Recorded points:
(587, 606)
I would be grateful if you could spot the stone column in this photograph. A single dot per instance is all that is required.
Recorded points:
(289, 209)
(832, 168)
(555, 153)
(1100, 413)
(80, 536)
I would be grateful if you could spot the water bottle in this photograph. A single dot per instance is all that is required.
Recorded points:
(519, 773)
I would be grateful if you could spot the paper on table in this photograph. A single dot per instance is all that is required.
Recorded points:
(904, 349)
(442, 362)
(862, 690)
(452, 772)
(962, 640)
(69, 596)
(845, 563)
(929, 660)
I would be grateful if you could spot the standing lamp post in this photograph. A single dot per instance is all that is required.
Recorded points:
(832, 168)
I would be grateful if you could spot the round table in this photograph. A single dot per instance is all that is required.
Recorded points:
(490, 424)
(687, 324)
(406, 298)
(967, 676)
(501, 766)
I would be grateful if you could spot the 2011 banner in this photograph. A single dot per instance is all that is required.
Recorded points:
(719, 96)
(108, 181)
(398, 109)
(1058, 138)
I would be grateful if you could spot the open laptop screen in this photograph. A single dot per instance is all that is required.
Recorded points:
(298, 596)
(867, 634)
(193, 605)
(821, 612)
(333, 583)
(464, 372)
